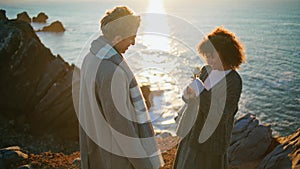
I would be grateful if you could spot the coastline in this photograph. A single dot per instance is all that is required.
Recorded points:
(44, 142)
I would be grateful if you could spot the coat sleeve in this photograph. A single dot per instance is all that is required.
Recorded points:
(112, 92)
(234, 89)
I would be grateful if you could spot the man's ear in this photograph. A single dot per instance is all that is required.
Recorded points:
(116, 40)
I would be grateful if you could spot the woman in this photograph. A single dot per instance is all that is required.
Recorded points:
(207, 137)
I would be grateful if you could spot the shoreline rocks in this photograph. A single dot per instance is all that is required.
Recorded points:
(146, 94)
(286, 154)
(246, 134)
(40, 18)
(56, 26)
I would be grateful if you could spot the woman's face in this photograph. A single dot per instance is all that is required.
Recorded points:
(214, 60)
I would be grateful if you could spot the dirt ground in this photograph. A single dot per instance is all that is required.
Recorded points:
(45, 152)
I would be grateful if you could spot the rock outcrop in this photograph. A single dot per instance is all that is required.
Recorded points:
(11, 155)
(24, 17)
(146, 94)
(41, 18)
(56, 26)
(27, 166)
(3, 15)
(36, 86)
(250, 141)
(253, 147)
(285, 155)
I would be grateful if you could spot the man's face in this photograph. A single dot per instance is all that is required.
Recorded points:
(124, 44)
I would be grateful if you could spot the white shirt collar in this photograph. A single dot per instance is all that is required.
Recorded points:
(214, 77)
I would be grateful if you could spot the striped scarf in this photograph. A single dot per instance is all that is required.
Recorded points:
(104, 50)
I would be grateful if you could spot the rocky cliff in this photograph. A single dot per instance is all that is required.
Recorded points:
(36, 86)
(253, 147)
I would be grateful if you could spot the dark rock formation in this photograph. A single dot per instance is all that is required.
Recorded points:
(3, 15)
(253, 147)
(146, 94)
(53, 27)
(24, 17)
(36, 86)
(27, 166)
(41, 18)
(250, 141)
(10, 156)
(285, 155)
(77, 162)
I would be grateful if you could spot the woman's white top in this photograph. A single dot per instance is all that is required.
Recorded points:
(214, 78)
(198, 86)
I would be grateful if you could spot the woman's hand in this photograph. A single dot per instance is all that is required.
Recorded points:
(193, 89)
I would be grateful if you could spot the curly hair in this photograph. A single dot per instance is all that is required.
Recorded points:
(119, 21)
(231, 51)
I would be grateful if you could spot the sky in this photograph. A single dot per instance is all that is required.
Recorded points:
(172, 1)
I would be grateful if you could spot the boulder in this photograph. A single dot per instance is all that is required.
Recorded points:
(77, 161)
(24, 17)
(27, 166)
(163, 134)
(36, 86)
(41, 18)
(53, 27)
(146, 94)
(285, 155)
(10, 156)
(250, 141)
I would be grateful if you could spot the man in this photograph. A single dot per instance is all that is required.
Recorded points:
(115, 128)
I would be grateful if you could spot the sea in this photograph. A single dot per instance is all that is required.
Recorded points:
(165, 53)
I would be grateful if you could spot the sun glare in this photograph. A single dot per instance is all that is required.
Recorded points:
(156, 31)
(156, 6)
